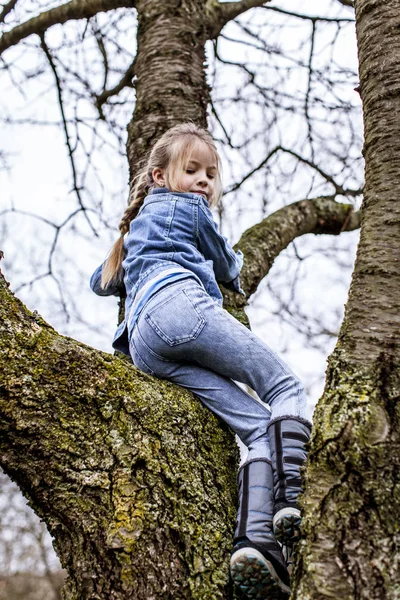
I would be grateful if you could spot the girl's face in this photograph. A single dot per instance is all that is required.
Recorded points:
(197, 176)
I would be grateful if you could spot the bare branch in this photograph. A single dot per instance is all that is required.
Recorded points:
(339, 189)
(126, 81)
(52, 64)
(313, 17)
(262, 243)
(220, 14)
(7, 8)
(76, 9)
(347, 3)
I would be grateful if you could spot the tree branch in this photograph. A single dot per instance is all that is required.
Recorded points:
(339, 189)
(77, 189)
(313, 18)
(219, 14)
(125, 81)
(347, 3)
(115, 462)
(76, 9)
(7, 8)
(262, 243)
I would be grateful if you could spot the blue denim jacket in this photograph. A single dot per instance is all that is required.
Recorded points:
(172, 230)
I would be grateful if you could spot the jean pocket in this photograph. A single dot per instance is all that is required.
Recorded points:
(176, 320)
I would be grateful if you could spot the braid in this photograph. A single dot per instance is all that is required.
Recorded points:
(112, 269)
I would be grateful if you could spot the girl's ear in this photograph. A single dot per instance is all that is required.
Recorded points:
(158, 176)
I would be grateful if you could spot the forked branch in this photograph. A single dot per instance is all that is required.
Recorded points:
(74, 10)
(262, 243)
(219, 14)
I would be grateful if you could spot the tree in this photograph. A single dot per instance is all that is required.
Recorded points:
(27, 569)
(133, 478)
(352, 499)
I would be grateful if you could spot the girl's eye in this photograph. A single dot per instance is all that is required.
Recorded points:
(190, 171)
(211, 176)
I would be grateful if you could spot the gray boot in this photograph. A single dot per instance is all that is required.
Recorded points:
(257, 564)
(288, 437)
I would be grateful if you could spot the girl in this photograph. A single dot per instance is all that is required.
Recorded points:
(170, 257)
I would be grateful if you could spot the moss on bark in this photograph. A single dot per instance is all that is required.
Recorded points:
(134, 478)
(352, 499)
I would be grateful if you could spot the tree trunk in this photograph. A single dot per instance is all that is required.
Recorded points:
(171, 82)
(352, 502)
(134, 478)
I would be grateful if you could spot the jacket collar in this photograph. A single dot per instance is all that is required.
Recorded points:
(165, 190)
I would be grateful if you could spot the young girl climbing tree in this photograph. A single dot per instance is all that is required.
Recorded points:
(170, 257)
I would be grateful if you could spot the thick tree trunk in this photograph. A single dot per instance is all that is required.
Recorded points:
(134, 478)
(352, 503)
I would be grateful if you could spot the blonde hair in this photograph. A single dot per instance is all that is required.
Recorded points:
(171, 153)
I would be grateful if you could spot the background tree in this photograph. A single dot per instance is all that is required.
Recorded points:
(125, 525)
(29, 569)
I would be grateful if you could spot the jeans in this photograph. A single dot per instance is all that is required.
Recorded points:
(184, 336)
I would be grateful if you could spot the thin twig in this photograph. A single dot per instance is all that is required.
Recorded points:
(46, 50)
(7, 8)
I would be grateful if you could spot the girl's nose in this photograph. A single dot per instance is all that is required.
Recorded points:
(202, 180)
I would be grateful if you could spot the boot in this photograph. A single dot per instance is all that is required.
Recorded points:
(288, 437)
(257, 564)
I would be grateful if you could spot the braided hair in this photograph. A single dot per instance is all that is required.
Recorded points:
(171, 153)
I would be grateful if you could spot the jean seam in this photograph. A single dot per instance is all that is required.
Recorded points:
(140, 357)
(150, 350)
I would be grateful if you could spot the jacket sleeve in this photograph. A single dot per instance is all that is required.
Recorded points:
(214, 246)
(112, 289)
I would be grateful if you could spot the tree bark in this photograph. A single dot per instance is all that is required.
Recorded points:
(134, 478)
(352, 502)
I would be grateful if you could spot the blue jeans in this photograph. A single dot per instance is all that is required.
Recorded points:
(184, 336)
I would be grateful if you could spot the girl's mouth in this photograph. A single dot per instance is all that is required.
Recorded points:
(201, 193)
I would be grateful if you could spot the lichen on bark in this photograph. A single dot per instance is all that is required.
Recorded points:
(352, 499)
(118, 465)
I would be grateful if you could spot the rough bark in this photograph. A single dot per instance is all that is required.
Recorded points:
(134, 478)
(352, 502)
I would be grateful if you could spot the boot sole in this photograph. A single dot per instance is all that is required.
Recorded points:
(286, 526)
(253, 574)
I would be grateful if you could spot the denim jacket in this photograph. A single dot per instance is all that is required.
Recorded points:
(172, 231)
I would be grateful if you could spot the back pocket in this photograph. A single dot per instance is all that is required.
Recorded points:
(176, 320)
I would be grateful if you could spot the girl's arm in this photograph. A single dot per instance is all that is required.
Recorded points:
(215, 247)
(112, 289)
